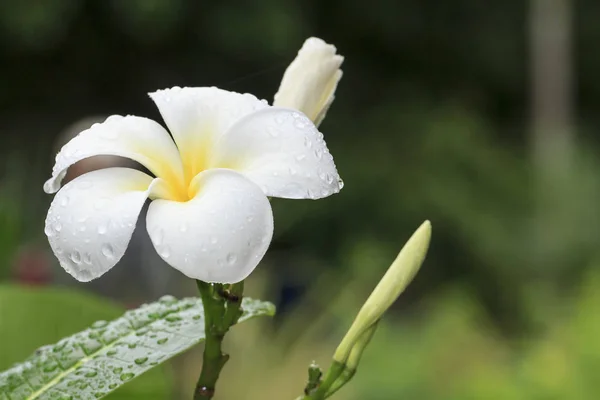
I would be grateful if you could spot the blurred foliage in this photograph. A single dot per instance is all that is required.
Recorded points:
(33, 317)
(430, 122)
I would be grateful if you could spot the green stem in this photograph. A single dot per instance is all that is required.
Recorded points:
(221, 310)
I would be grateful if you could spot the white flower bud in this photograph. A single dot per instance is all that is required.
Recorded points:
(309, 83)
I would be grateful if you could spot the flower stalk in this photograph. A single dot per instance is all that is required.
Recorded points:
(350, 350)
(221, 311)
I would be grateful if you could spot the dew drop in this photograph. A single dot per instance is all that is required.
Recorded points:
(274, 132)
(112, 386)
(231, 258)
(117, 370)
(162, 341)
(167, 299)
(214, 240)
(102, 229)
(300, 157)
(111, 353)
(82, 228)
(292, 171)
(57, 226)
(132, 345)
(165, 252)
(279, 119)
(107, 251)
(64, 201)
(91, 374)
(299, 124)
(307, 142)
(99, 324)
(48, 231)
(141, 360)
(50, 368)
(87, 258)
(318, 153)
(127, 376)
(76, 257)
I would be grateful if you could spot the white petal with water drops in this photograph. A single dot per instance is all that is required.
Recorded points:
(282, 151)
(87, 240)
(229, 225)
(196, 117)
(137, 138)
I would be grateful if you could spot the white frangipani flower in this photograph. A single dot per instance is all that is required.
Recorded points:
(310, 81)
(210, 217)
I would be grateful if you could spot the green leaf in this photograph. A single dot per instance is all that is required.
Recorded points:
(93, 363)
(34, 316)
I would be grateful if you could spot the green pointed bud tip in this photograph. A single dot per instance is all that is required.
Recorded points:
(394, 282)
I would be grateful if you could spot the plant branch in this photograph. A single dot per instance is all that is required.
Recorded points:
(221, 310)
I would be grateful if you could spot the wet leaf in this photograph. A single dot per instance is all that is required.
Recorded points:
(93, 363)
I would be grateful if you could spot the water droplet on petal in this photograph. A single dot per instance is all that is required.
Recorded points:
(273, 131)
(57, 226)
(279, 119)
(91, 374)
(292, 171)
(76, 257)
(48, 231)
(300, 157)
(102, 229)
(162, 341)
(214, 240)
(107, 251)
(87, 258)
(165, 252)
(299, 124)
(64, 201)
(318, 153)
(307, 142)
(231, 258)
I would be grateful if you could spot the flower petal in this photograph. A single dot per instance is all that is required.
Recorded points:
(196, 117)
(137, 138)
(282, 151)
(310, 81)
(92, 218)
(218, 236)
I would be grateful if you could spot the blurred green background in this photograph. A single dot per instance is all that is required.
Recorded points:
(480, 116)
